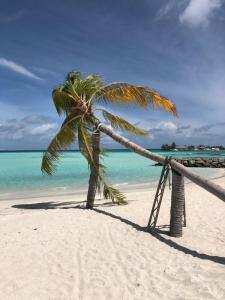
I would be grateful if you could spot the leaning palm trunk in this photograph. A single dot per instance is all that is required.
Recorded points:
(93, 180)
(178, 184)
(208, 185)
(124, 141)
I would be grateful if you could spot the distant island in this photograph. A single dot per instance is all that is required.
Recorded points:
(175, 147)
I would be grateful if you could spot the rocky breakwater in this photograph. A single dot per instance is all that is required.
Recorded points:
(200, 162)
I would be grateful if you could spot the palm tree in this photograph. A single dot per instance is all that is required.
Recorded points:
(76, 98)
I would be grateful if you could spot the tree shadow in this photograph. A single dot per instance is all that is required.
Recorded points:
(59, 205)
(158, 235)
(158, 232)
(48, 205)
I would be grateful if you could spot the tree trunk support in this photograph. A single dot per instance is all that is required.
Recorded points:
(177, 213)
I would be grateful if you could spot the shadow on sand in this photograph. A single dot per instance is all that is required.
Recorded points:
(61, 205)
(158, 233)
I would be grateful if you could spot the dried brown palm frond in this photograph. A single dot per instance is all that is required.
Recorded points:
(126, 93)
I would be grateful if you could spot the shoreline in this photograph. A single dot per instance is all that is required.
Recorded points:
(64, 191)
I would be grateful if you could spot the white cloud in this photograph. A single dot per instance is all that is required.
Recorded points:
(44, 71)
(23, 134)
(198, 12)
(37, 119)
(166, 125)
(9, 111)
(9, 64)
(43, 128)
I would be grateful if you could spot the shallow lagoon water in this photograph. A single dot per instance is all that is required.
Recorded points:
(20, 171)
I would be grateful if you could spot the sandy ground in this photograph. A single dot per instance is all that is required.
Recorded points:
(51, 248)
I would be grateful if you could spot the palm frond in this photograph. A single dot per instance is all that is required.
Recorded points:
(126, 93)
(85, 146)
(103, 152)
(62, 140)
(73, 76)
(63, 101)
(108, 191)
(160, 101)
(115, 195)
(82, 87)
(118, 122)
(73, 120)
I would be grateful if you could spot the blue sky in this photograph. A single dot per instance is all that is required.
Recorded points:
(174, 47)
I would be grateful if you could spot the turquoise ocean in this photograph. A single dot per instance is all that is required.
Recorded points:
(20, 174)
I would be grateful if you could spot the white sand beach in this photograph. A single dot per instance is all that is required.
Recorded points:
(51, 248)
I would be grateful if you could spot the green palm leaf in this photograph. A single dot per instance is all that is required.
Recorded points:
(108, 191)
(84, 141)
(115, 195)
(62, 140)
(63, 101)
(82, 87)
(118, 122)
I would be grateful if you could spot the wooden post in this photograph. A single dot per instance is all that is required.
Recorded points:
(177, 204)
